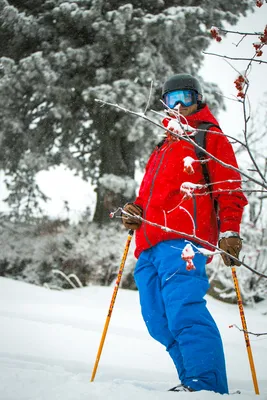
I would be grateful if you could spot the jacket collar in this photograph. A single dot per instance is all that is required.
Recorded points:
(194, 120)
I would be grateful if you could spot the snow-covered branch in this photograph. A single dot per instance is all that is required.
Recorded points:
(192, 237)
(186, 138)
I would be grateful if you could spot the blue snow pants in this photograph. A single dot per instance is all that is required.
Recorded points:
(175, 313)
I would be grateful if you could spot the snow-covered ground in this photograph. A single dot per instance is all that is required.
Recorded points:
(49, 340)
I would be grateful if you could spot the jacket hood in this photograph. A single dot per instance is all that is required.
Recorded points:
(202, 115)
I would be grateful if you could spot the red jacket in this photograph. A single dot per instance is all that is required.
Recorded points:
(161, 198)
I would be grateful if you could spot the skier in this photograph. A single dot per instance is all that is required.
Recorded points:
(172, 296)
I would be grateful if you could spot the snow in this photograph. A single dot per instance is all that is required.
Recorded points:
(118, 184)
(178, 127)
(49, 340)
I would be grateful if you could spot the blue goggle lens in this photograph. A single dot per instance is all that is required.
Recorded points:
(185, 97)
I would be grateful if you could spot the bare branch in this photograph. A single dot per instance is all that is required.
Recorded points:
(185, 138)
(261, 198)
(149, 97)
(235, 58)
(232, 191)
(192, 237)
(246, 138)
(250, 333)
(241, 40)
(241, 33)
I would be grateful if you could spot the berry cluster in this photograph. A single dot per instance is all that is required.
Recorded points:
(263, 37)
(259, 3)
(240, 84)
(215, 33)
(259, 45)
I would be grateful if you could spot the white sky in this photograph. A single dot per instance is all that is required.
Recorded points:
(60, 184)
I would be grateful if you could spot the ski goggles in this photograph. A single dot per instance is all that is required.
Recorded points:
(185, 97)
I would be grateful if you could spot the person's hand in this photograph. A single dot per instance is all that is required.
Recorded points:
(233, 246)
(132, 222)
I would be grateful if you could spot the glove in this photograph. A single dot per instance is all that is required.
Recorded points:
(132, 223)
(231, 245)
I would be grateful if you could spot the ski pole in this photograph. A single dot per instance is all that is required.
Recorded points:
(245, 330)
(111, 306)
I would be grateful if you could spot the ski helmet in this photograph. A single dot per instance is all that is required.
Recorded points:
(182, 82)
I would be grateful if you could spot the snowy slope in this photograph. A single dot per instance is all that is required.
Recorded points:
(49, 340)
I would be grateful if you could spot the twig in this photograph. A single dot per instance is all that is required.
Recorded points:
(187, 139)
(234, 58)
(187, 236)
(241, 33)
(241, 40)
(243, 330)
(261, 198)
(149, 97)
(231, 190)
(229, 98)
(246, 138)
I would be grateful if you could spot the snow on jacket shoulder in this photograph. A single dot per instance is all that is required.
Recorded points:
(164, 203)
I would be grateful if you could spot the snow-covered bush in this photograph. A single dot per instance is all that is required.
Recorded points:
(254, 252)
(34, 252)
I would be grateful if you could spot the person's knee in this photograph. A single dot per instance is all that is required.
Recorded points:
(159, 330)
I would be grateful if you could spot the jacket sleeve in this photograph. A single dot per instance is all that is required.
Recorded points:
(226, 182)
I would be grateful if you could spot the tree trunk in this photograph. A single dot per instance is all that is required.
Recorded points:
(117, 158)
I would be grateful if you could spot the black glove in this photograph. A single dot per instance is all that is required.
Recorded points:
(132, 222)
(233, 246)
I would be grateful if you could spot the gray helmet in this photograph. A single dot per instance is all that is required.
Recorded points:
(182, 82)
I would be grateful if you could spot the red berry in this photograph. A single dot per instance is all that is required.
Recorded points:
(259, 3)
(241, 94)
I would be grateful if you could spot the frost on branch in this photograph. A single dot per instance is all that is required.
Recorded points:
(118, 184)
(188, 165)
(187, 255)
(177, 127)
(188, 188)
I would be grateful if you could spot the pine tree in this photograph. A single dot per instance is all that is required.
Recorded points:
(58, 56)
